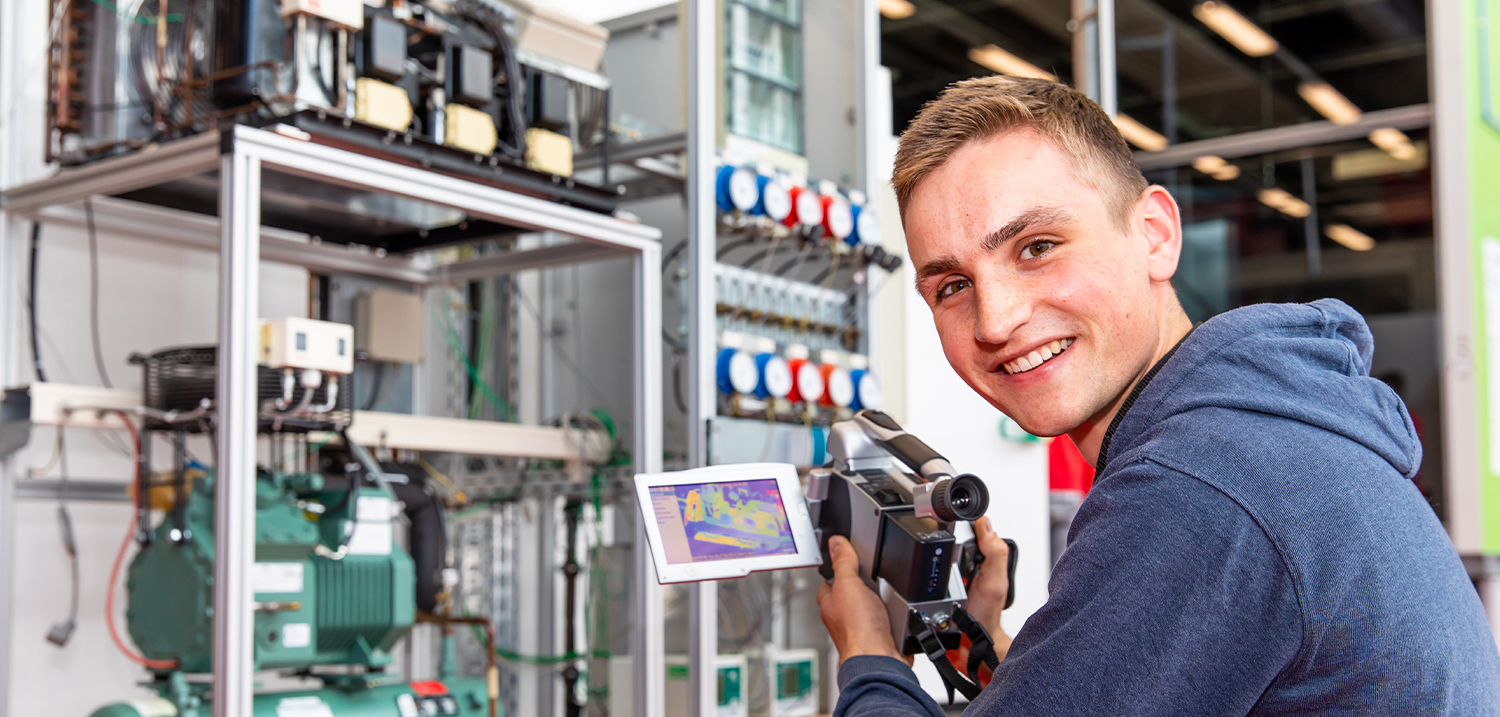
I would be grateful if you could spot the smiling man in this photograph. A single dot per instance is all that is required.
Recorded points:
(1253, 544)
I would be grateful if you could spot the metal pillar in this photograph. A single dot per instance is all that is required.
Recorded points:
(1093, 27)
(700, 22)
(873, 121)
(1310, 222)
(234, 504)
(650, 645)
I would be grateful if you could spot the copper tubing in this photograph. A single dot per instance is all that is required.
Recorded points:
(492, 675)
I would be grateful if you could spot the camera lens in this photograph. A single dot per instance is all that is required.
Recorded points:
(961, 498)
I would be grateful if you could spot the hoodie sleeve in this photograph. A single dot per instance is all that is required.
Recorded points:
(877, 686)
(1169, 600)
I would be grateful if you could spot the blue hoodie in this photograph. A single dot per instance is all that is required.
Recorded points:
(1253, 545)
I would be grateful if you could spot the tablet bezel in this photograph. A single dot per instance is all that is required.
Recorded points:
(808, 553)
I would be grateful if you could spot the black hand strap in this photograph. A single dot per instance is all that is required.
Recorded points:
(981, 645)
(932, 645)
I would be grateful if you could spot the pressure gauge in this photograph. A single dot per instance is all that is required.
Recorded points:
(744, 190)
(775, 376)
(807, 380)
(838, 219)
(721, 188)
(775, 200)
(809, 208)
(736, 372)
(867, 393)
(838, 388)
(866, 227)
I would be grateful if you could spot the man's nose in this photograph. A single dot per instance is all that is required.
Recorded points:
(999, 312)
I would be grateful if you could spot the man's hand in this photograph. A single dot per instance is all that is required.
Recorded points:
(852, 612)
(989, 588)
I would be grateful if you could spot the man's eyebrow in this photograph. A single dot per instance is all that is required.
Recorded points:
(1047, 216)
(934, 268)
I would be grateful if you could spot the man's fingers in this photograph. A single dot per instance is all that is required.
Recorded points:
(824, 590)
(990, 543)
(845, 560)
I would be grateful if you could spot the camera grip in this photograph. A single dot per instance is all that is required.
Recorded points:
(970, 560)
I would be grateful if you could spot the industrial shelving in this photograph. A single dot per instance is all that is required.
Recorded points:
(240, 164)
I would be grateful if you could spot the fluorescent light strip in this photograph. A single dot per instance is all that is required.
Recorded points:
(1216, 167)
(897, 9)
(1140, 135)
(1232, 26)
(1329, 102)
(1005, 63)
(1395, 143)
(1349, 237)
(1283, 202)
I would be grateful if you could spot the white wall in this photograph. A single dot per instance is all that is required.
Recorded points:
(151, 297)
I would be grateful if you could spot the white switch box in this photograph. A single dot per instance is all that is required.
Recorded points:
(299, 343)
(349, 13)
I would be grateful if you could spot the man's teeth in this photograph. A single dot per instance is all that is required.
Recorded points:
(1037, 357)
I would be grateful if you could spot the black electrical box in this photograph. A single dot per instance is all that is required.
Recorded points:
(473, 75)
(549, 102)
(385, 47)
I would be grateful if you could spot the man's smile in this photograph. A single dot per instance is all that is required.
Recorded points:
(1036, 357)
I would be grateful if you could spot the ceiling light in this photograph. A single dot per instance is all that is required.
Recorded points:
(1007, 64)
(1329, 102)
(1140, 135)
(1349, 237)
(1283, 202)
(897, 9)
(1395, 143)
(1232, 26)
(1216, 167)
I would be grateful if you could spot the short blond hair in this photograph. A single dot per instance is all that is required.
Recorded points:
(977, 109)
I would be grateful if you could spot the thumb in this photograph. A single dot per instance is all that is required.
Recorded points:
(845, 560)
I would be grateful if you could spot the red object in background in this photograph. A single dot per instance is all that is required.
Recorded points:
(1066, 468)
(429, 688)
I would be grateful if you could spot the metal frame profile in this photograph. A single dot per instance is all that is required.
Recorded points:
(241, 154)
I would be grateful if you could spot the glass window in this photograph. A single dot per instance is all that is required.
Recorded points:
(765, 72)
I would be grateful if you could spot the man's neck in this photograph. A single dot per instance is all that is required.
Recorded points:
(1090, 435)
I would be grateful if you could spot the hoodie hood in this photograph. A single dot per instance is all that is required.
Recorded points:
(1308, 363)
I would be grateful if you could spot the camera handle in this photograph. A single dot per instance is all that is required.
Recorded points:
(908, 449)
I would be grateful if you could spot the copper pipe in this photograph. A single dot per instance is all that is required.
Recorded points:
(492, 675)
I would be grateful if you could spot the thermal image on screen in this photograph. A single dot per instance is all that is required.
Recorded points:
(722, 521)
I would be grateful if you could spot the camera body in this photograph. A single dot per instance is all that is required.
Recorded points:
(897, 501)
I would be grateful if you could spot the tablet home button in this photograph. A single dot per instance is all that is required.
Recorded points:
(692, 572)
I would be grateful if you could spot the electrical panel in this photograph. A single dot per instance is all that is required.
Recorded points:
(794, 675)
(731, 680)
(790, 313)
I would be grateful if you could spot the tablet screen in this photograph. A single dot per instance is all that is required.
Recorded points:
(700, 522)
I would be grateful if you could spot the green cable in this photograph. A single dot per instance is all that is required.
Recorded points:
(455, 345)
(486, 341)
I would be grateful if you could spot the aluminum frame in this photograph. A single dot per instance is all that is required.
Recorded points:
(242, 155)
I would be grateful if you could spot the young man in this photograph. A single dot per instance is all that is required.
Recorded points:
(1253, 544)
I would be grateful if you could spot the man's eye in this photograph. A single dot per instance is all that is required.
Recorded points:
(1037, 248)
(951, 288)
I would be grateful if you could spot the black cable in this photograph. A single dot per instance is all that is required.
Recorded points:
(677, 383)
(59, 633)
(676, 252)
(88, 214)
(317, 69)
(36, 348)
(375, 389)
(731, 246)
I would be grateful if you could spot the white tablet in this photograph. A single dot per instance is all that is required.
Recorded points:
(726, 521)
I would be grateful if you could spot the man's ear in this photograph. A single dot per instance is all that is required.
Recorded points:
(1160, 224)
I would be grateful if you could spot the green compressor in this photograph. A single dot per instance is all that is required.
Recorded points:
(332, 587)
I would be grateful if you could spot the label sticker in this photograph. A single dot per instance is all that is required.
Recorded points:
(308, 706)
(407, 706)
(296, 634)
(276, 578)
(372, 531)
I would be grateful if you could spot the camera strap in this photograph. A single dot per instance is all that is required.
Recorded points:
(932, 646)
(981, 645)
